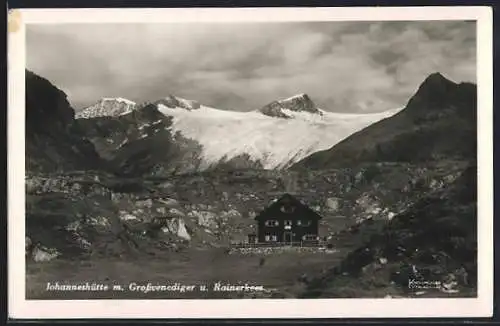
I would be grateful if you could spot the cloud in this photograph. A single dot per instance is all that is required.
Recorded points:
(343, 66)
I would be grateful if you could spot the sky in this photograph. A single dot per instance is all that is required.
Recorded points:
(343, 66)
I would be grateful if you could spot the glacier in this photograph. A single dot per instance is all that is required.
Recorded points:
(275, 142)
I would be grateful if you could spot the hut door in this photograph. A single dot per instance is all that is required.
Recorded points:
(287, 237)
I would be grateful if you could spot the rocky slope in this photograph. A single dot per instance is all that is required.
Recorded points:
(434, 240)
(214, 208)
(53, 140)
(439, 122)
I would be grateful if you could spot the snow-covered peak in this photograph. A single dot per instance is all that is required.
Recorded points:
(107, 107)
(174, 102)
(289, 107)
(117, 99)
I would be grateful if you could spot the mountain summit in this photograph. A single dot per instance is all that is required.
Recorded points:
(287, 107)
(437, 93)
(174, 102)
(107, 107)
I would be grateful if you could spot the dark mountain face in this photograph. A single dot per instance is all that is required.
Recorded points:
(53, 140)
(438, 96)
(439, 122)
(140, 143)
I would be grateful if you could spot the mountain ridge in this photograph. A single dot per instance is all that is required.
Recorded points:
(438, 121)
(236, 139)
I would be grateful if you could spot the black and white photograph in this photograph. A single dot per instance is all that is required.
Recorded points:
(268, 159)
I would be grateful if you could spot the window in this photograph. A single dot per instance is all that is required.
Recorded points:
(303, 222)
(288, 225)
(309, 237)
(272, 223)
(287, 209)
(270, 237)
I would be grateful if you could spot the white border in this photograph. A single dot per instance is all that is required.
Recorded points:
(482, 306)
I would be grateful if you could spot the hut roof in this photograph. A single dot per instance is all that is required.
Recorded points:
(288, 199)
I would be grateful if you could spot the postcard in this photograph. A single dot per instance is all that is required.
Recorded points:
(250, 162)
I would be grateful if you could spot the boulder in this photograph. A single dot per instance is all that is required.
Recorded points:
(76, 188)
(161, 210)
(203, 218)
(182, 231)
(83, 243)
(73, 226)
(332, 204)
(99, 221)
(368, 204)
(251, 214)
(174, 212)
(168, 202)
(177, 227)
(230, 214)
(148, 203)
(125, 216)
(42, 254)
(116, 197)
(99, 190)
